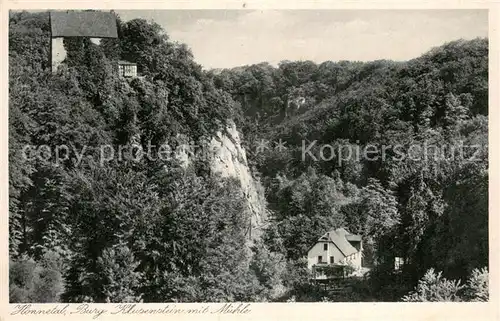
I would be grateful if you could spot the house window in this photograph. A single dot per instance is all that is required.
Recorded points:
(331, 260)
(127, 70)
(320, 259)
(398, 263)
(325, 246)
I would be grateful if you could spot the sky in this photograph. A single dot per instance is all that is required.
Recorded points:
(230, 38)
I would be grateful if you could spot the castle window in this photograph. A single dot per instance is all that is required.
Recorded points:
(398, 263)
(127, 69)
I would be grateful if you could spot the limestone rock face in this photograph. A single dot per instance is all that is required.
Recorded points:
(228, 158)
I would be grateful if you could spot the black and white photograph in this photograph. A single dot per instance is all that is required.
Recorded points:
(247, 156)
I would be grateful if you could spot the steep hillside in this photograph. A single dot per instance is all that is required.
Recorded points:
(230, 160)
(152, 166)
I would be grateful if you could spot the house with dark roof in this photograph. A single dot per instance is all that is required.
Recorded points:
(95, 25)
(336, 249)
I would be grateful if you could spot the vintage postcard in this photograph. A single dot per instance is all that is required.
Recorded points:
(249, 160)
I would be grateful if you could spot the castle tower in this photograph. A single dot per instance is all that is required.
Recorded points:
(89, 24)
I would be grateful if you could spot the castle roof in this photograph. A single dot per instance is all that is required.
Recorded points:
(94, 24)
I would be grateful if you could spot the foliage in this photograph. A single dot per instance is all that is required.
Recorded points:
(433, 287)
(297, 281)
(296, 273)
(306, 207)
(387, 285)
(179, 232)
(269, 268)
(406, 202)
(477, 286)
(118, 276)
(31, 281)
(86, 106)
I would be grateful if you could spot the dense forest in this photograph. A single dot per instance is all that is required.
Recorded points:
(154, 231)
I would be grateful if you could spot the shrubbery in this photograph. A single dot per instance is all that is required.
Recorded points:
(477, 288)
(31, 281)
(433, 287)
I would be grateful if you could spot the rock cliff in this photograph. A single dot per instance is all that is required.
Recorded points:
(229, 159)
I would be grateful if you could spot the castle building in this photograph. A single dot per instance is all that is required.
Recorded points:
(95, 25)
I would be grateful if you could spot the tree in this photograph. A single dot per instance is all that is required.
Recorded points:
(307, 207)
(477, 286)
(118, 276)
(179, 232)
(103, 197)
(434, 288)
(36, 281)
(268, 268)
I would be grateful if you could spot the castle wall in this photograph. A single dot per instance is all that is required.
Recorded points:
(58, 52)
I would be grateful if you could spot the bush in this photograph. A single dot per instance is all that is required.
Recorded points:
(297, 280)
(477, 286)
(21, 275)
(37, 282)
(434, 288)
(268, 268)
(118, 276)
(386, 285)
(308, 292)
(296, 273)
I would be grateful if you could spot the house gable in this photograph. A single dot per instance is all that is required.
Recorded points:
(318, 249)
(342, 247)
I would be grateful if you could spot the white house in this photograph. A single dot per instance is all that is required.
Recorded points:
(336, 248)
